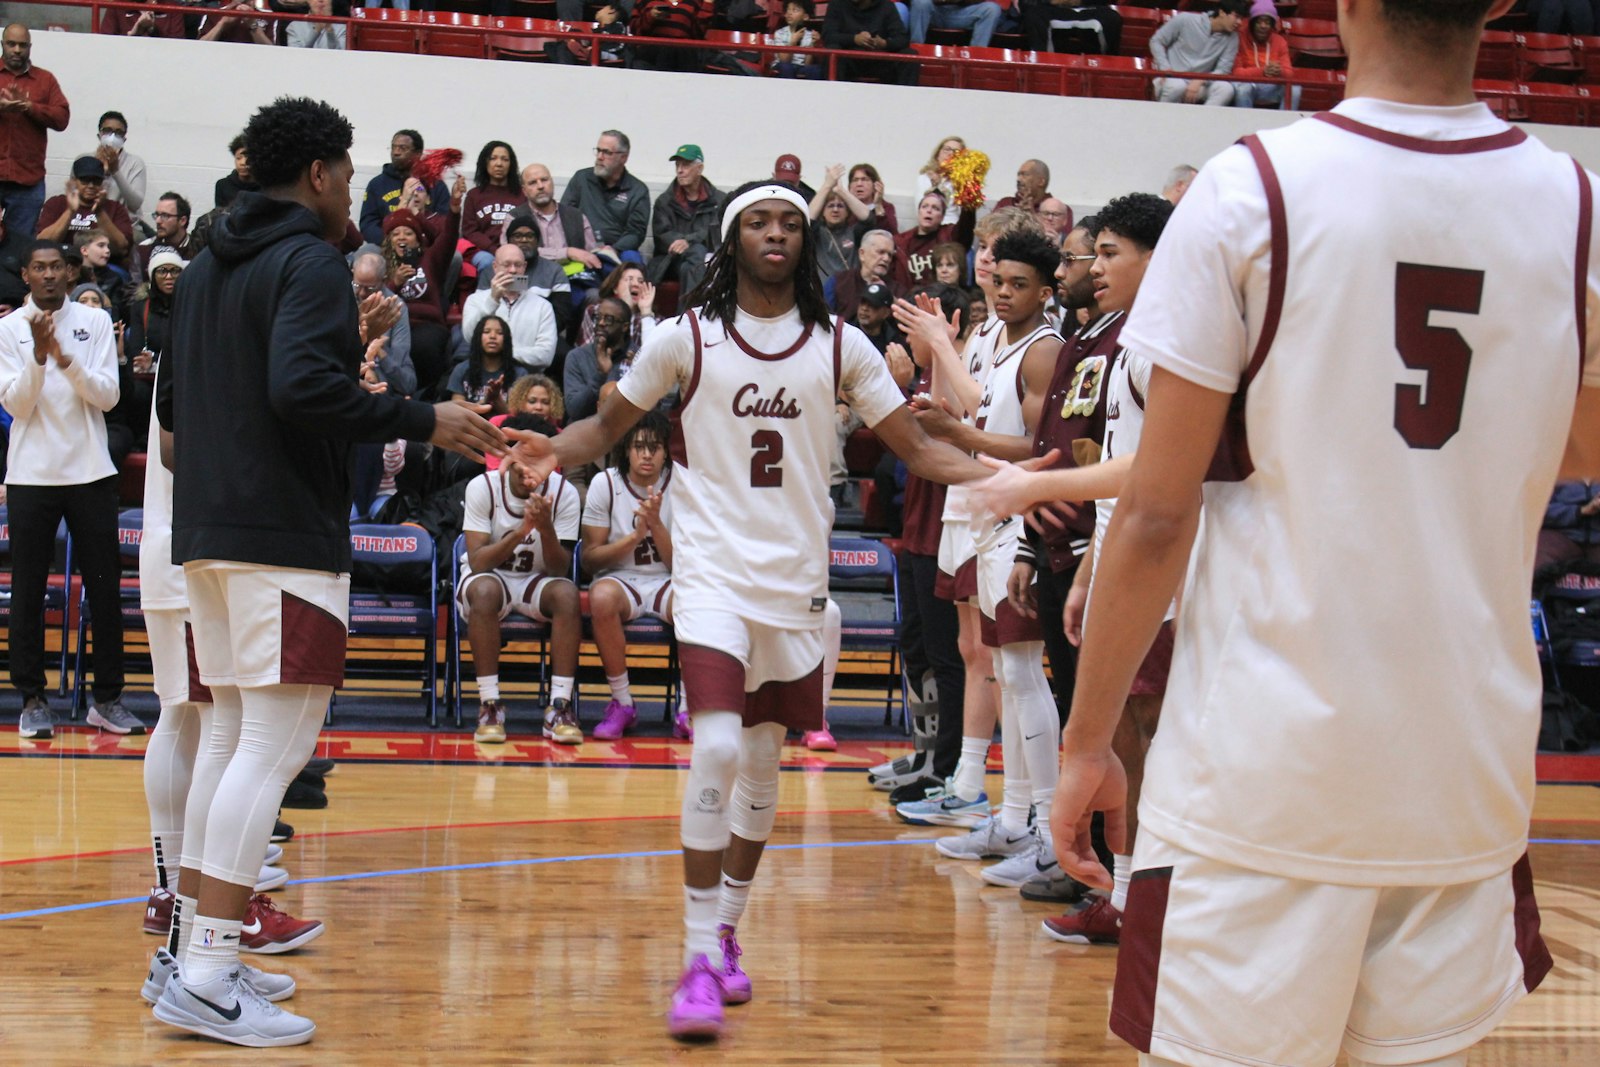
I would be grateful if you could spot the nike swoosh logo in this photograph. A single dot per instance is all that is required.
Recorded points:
(230, 1014)
(252, 928)
(1014, 840)
(1044, 867)
(1030, 737)
(760, 807)
(230, 937)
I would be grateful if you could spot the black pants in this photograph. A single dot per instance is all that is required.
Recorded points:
(430, 344)
(940, 646)
(1051, 591)
(1037, 16)
(35, 511)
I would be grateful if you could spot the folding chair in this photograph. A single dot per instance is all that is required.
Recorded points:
(864, 580)
(513, 627)
(645, 630)
(382, 611)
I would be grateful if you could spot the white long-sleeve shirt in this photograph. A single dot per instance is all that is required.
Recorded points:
(532, 321)
(58, 433)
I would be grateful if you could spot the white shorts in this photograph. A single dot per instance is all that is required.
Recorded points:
(169, 653)
(996, 547)
(1221, 965)
(733, 664)
(257, 625)
(520, 593)
(955, 546)
(648, 594)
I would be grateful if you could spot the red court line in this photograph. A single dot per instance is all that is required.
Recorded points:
(434, 826)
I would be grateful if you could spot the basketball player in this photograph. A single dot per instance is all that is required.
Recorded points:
(1130, 226)
(1335, 819)
(1021, 364)
(958, 388)
(519, 535)
(760, 361)
(264, 405)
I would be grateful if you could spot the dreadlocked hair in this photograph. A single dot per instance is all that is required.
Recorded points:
(717, 295)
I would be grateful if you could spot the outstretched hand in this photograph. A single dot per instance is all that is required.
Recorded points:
(1089, 782)
(535, 451)
(461, 427)
(1013, 489)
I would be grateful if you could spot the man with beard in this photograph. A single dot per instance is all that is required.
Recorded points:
(384, 190)
(592, 365)
(616, 203)
(31, 104)
(84, 207)
(172, 234)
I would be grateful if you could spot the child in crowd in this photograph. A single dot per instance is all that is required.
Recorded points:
(794, 31)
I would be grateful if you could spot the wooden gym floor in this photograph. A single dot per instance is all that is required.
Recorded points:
(525, 908)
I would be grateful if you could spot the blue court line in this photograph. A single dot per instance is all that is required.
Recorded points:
(536, 861)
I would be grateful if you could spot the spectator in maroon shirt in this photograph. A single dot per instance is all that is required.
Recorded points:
(866, 187)
(916, 245)
(418, 246)
(1033, 187)
(495, 193)
(234, 27)
(131, 22)
(85, 207)
(30, 103)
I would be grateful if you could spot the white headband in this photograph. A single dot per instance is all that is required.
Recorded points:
(759, 193)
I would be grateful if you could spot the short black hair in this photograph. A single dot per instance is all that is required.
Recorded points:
(1140, 217)
(806, 4)
(654, 426)
(236, 144)
(183, 205)
(43, 245)
(289, 134)
(119, 116)
(1234, 7)
(480, 178)
(1089, 224)
(524, 421)
(1032, 249)
(617, 300)
(1421, 17)
(416, 138)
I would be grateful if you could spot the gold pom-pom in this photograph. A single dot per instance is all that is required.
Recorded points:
(966, 171)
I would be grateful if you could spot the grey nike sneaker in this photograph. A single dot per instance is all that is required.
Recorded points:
(229, 1009)
(988, 840)
(272, 987)
(37, 720)
(1020, 866)
(112, 717)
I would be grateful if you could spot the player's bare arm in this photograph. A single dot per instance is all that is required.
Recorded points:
(933, 339)
(650, 521)
(583, 442)
(557, 554)
(926, 457)
(484, 554)
(1037, 365)
(1014, 488)
(1142, 562)
(601, 553)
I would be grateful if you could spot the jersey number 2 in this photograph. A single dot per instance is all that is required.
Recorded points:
(1428, 416)
(768, 453)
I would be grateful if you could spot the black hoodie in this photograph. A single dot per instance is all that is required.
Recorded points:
(259, 386)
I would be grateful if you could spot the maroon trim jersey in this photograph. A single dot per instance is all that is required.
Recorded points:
(923, 507)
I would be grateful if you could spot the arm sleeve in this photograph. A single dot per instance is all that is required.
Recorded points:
(20, 377)
(893, 31)
(439, 199)
(637, 223)
(474, 310)
(1161, 40)
(308, 384)
(570, 198)
(400, 345)
(94, 375)
(473, 228)
(475, 507)
(665, 362)
(864, 379)
(1591, 357)
(1192, 315)
(835, 34)
(661, 224)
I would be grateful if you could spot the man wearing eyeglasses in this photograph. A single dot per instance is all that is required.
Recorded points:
(172, 234)
(616, 203)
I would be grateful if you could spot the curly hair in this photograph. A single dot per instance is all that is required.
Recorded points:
(654, 428)
(717, 295)
(1140, 217)
(518, 397)
(1031, 249)
(480, 178)
(291, 133)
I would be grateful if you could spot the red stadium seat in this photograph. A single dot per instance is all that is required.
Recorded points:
(1139, 24)
(1316, 9)
(1115, 77)
(1503, 97)
(464, 43)
(1497, 56)
(1562, 105)
(1321, 89)
(517, 47)
(1548, 57)
(1315, 43)
(1588, 51)
(380, 35)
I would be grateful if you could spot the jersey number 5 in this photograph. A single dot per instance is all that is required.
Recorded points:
(764, 469)
(1429, 415)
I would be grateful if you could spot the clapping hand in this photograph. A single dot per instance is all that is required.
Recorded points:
(378, 314)
(43, 328)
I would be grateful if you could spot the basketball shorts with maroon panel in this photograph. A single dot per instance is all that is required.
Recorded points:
(647, 594)
(519, 592)
(1001, 624)
(768, 673)
(958, 563)
(253, 625)
(1222, 965)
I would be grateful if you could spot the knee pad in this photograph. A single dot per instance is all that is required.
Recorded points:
(713, 765)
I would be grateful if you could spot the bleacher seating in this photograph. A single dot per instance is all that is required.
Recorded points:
(380, 608)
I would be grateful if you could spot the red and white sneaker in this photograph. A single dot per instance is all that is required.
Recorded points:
(158, 911)
(820, 740)
(268, 931)
(1096, 923)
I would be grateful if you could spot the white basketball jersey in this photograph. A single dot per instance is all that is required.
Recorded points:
(491, 508)
(613, 503)
(1000, 409)
(751, 514)
(1126, 384)
(161, 584)
(1355, 695)
(979, 354)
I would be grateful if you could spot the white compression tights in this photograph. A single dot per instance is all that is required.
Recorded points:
(1458, 1060)
(1026, 694)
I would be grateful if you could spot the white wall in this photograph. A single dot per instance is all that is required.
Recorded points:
(182, 120)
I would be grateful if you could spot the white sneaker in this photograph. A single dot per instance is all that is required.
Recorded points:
(988, 840)
(274, 854)
(896, 773)
(273, 987)
(1017, 868)
(228, 1009)
(271, 878)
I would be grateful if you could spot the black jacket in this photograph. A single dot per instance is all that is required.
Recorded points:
(844, 20)
(259, 388)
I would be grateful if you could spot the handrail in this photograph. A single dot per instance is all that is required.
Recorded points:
(1029, 67)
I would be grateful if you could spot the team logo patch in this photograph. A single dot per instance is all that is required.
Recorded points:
(80, 335)
(818, 603)
(710, 797)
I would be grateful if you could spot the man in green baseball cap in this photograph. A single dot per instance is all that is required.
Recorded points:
(685, 224)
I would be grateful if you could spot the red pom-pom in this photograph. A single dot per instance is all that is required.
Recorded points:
(434, 162)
